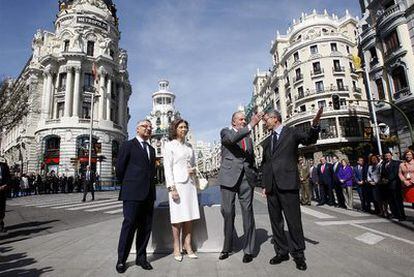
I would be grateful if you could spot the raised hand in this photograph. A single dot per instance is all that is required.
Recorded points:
(256, 119)
(317, 118)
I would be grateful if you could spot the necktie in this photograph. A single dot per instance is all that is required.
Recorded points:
(145, 146)
(274, 141)
(88, 176)
(244, 143)
(323, 168)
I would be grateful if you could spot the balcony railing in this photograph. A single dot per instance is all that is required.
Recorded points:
(388, 13)
(88, 88)
(402, 93)
(61, 89)
(338, 69)
(373, 62)
(316, 72)
(321, 91)
(357, 90)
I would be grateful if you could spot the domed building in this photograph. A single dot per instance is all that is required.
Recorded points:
(79, 62)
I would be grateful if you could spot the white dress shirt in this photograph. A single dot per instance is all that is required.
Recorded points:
(141, 141)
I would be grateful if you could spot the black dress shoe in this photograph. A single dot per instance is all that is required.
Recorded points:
(279, 258)
(247, 258)
(144, 264)
(223, 255)
(120, 267)
(300, 264)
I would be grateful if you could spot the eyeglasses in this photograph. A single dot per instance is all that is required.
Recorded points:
(145, 126)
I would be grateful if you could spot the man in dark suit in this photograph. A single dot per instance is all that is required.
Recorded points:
(281, 184)
(4, 186)
(362, 187)
(135, 169)
(337, 187)
(389, 174)
(88, 179)
(325, 174)
(238, 175)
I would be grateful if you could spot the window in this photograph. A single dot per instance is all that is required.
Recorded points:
(112, 53)
(59, 109)
(337, 65)
(302, 108)
(300, 93)
(354, 85)
(88, 82)
(391, 42)
(319, 86)
(86, 110)
(340, 84)
(286, 64)
(296, 56)
(314, 49)
(380, 89)
(350, 127)
(62, 81)
(334, 47)
(66, 46)
(399, 79)
(347, 50)
(90, 48)
(328, 128)
(298, 75)
(321, 104)
(317, 68)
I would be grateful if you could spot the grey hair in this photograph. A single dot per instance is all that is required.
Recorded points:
(234, 115)
(275, 113)
(142, 121)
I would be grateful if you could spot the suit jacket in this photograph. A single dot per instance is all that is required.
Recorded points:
(281, 164)
(361, 176)
(92, 177)
(176, 162)
(335, 170)
(326, 178)
(234, 160)
(391, 174)
(5, 174)
(136, 172)
(314, 174)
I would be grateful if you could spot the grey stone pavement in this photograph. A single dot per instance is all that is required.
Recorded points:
(339, 243)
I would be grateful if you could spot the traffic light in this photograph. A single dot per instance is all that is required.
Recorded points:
(335, 102)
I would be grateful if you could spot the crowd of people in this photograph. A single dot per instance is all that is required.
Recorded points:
(51, 183)
(382, 183)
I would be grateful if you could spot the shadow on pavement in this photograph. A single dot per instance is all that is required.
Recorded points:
(25, 229)
(13, 264)
(261, 237)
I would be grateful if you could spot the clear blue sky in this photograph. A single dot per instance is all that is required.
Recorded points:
(209, 50)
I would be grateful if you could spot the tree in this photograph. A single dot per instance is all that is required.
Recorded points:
(13, 103)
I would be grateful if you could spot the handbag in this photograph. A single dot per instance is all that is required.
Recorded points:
(201, 181)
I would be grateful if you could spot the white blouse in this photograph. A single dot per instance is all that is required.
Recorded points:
(178, 157)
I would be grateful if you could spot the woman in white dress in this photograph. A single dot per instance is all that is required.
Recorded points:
(179, 167)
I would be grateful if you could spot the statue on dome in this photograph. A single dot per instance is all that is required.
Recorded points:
(104, 45)
(37, 43)
(78, 41)
(123, 60)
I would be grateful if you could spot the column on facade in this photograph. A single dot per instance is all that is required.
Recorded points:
(121, 105)
(76, 92)
(108, 99)
(47, 93)
(68, 92)
(102, 96)
(338, 128)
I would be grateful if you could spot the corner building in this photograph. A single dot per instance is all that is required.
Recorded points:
(313, 62)
(59, 78)
(387, 43)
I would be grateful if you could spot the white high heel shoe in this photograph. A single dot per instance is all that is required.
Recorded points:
(178, 258)
(192, 255)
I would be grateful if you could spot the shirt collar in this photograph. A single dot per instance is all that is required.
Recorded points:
(278, 130)
(141, 140)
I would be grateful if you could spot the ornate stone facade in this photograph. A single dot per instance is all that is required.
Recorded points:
(80, 58)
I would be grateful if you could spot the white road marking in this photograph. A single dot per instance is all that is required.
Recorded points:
(357, 221)
(115, 211)
(89, 205)
(369, 238)
(104, 208)
(316, 214)
(346, 212)
(84, 204)
(383, 234)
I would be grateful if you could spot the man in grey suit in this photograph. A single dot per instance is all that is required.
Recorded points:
(238, 176)
(281, 185)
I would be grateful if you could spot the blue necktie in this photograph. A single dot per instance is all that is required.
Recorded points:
(274, 141)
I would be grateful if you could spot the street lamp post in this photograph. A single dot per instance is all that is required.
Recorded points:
(91, 129)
